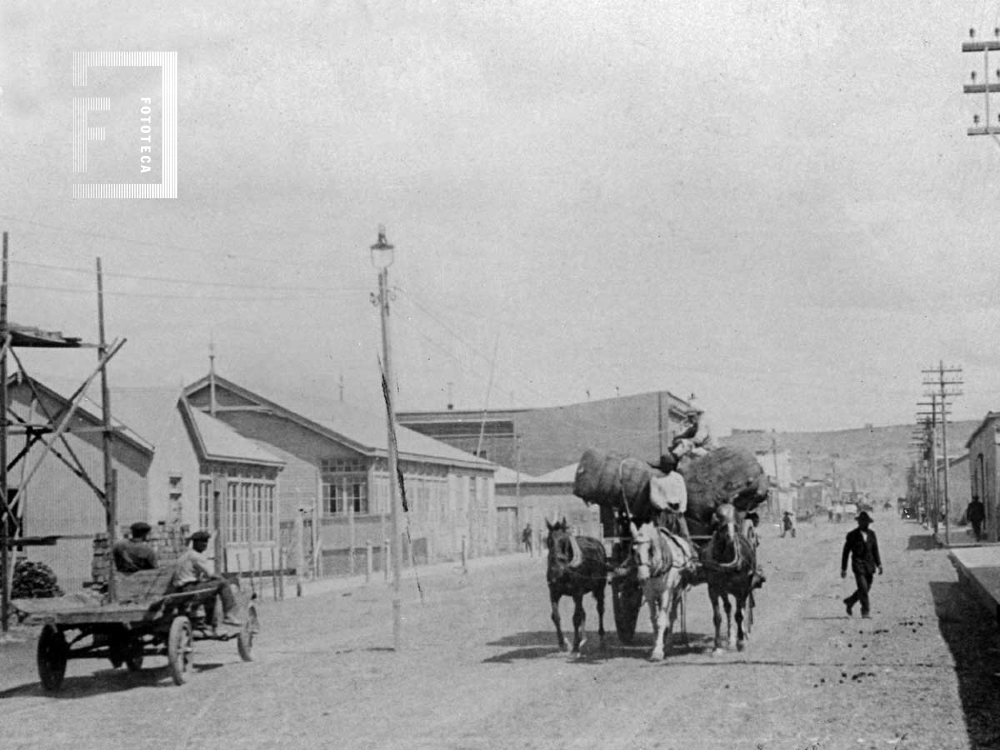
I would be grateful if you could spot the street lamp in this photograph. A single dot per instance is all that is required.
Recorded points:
(382, 257)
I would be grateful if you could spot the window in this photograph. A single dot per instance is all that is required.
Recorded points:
(206, 517)
(249, 506)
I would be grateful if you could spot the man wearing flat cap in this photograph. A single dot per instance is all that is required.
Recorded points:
(862, 547)
(194, 571)
(136, 553)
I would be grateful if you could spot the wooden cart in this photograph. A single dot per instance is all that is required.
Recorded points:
(147, 623)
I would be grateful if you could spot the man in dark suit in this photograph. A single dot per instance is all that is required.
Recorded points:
(862, 547)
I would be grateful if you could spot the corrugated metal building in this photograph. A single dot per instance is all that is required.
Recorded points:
(336, 476)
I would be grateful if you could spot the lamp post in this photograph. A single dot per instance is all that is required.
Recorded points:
(382, 257)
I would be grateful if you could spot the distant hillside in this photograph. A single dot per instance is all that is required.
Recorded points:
(874, 459)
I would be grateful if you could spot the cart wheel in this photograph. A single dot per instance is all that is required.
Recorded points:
(626, 598)
(244, 641)
(179, 649)
(52, 656)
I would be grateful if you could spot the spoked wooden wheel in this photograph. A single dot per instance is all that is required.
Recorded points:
(179, 649)
(244, 641)
(626, 598)
(53, 654)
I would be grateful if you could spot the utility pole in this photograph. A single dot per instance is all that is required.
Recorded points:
(110, 501)
(929, 422)
(382, 257)
(947, 379)
(985, 88)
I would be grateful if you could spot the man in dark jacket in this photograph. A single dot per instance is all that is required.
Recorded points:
(976, 514)
(135, 554)
(862, 547)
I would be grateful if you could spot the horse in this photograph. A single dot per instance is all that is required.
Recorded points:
(576, 567)
(664, 562)
(729, 562)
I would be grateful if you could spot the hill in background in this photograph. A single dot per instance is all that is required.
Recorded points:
(871, 459)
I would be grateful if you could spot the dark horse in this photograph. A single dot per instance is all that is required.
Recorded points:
(576, 567)
(729, 562)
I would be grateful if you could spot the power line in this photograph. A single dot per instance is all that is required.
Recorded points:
(175, 280)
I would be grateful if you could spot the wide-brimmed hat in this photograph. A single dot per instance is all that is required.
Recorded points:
(863, 516)
(139, 528)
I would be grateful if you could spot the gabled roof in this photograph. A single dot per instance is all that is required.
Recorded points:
(362, 431)
(142, 417)
(217, 441)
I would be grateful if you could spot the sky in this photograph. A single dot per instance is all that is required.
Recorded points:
(770, 204)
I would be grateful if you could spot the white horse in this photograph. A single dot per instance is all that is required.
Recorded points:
(664, 561)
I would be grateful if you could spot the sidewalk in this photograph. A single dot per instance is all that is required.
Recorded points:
(315, 586)
(978, 568)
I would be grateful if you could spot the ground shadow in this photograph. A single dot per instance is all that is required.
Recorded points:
(921, 543)
(972, 637)
(103, 681)
(542, 645)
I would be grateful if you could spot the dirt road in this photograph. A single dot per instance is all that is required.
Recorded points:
(479, 668)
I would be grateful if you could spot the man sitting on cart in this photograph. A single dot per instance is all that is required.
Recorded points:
(194, 571)
(135, 554)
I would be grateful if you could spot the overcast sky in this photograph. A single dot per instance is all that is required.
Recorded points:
(773, 205)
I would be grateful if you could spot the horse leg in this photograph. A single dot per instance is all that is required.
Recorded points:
(599, 596)
(730, 632)
(554, 598)
(657, 618)
(741, 635)
(676, 592)
(713, 594)
(579, 623)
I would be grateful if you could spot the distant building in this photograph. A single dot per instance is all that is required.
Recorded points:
(537, 441)
(522, 499)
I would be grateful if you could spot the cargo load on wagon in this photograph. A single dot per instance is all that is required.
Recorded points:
(612, 480)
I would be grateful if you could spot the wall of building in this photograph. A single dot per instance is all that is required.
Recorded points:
(641, 425)
(983, 477)
(58, 502)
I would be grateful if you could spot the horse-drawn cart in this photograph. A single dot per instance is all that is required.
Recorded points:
(620, 486)
(146, 621)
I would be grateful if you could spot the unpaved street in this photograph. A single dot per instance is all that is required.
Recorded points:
(480, 669)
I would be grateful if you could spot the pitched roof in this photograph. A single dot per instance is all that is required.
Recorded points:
(143, 415)
(359, 429)
(220, 442)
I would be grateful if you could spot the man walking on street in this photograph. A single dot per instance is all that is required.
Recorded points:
(862, 547)
(976, 514)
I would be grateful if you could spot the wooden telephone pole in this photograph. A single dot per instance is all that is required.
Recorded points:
(947, 378)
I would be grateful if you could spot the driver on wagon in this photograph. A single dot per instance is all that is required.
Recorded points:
(194, 571)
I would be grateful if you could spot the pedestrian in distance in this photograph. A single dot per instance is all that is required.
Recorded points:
(861, 546)
(976, 513)
(136, 553)
(526, 538)
(787, 524)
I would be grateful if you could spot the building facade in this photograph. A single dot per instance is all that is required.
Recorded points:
(334, 496)
(162, 455)
(983, 467)
(538, 441)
